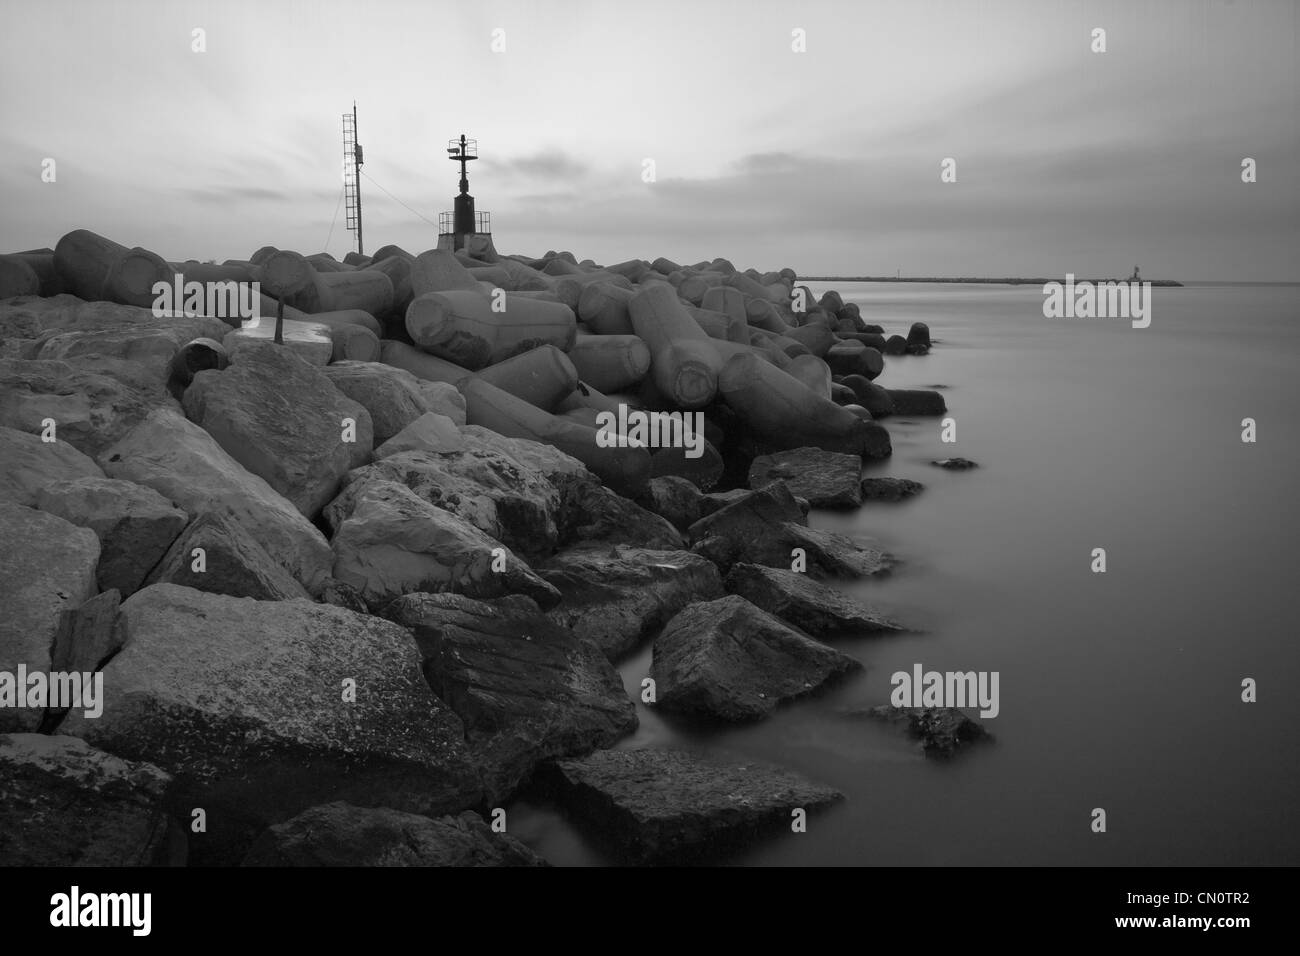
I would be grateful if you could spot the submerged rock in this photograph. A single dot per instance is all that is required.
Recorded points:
(339, 834)
(526, 688)
(64, 803)
(729, 660)
(803, 602)
(956, 464)
(618, 596)
(917, 401)
(668, 806)
(889, 489)
(827, 479)
(941, 731)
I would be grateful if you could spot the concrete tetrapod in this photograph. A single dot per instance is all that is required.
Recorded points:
(462, 327)
(95, 268)
(543, 376)
(604, 307)
(626, 470)
(683, 363)
(610, 362)
(785, 413)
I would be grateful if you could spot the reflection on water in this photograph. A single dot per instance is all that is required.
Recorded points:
(1118, 690)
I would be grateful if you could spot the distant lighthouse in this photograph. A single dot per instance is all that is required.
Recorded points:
(463, 228)
(1135, 277)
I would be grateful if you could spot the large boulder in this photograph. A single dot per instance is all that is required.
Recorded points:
(47, 566)
(729, 660)
(669, 806)
(396, 543)
(807, 604)
(527, 689)
(64, 803)
(768, 527)
(487, 488)
(135, 524)
(392, 396)
(28, 465)
(673, 498)
(827, 479)
(339, 834)
(591, 512)
(216, 554)
(185, 464)
(430, 432)
(91, 408)
(618, 596)
(261, 709)
(283, 421)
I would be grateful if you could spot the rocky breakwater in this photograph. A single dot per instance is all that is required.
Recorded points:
(362, 562)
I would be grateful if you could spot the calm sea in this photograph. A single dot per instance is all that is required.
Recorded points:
(1119, 690)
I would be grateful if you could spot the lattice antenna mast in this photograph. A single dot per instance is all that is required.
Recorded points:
(352, 160)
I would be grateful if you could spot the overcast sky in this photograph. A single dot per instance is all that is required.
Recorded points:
(827, 161)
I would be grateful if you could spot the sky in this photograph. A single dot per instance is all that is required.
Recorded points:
(827, 160)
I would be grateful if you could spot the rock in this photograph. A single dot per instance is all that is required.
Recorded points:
(27, 465)
(396, 543)
(896, 345)
(668, 806)
(151, 349)
(483, 486)
(720, 499)
(828, 479)
(392, 396)
(673, 498)
(64, 803)
(956, 464)
(245, 703)
(91, 408)
(339, 834)
(343, 595)
(87, 636)
(730, 660)
(874, 398)
(135, 525)
(889, 489)
(185, 464)
(917, 401)
(527, 689)
(942, 731)
(547, 460)
(443, 398)
(46, 567)
(804, 603)
(431, 432)
(27, 316)
(919, 334)
(312, 342)
(592, 512)
(283, 421)
(232, 563)
(618, 596)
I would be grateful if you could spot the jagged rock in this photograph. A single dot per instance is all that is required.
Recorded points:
(310, 341)
(339, 834)
(64, 803)
(430, 432)
(956, 464)
(827, 479)
(183, 463)
(490, 490)
(46, 567)
(27, 465)
(443, 398)
(618, 596)
(231, 562)
(668, 806)
(87, 636)
(717, 500)
(135, 525)
(392, 396)
(766, 526)
(396, 543)
(91, 408)
(941, 731)
(343, 595)
(527, 689)
(283, 421)
(673, 498)
(729, 660)
(547, 460)
(917, 401)
(803, 602)
(889, 489)
(247, 704)
(591, 512)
